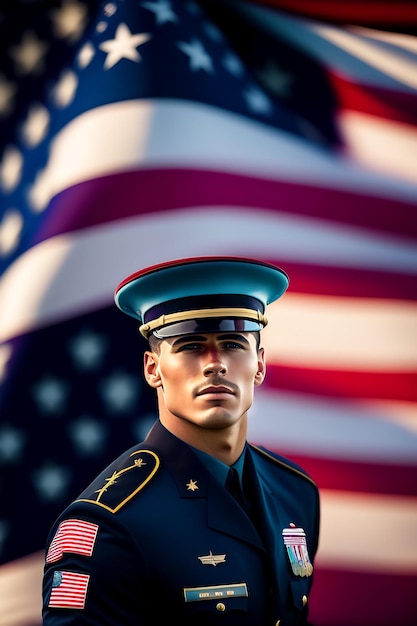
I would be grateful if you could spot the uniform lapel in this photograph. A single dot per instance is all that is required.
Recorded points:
(271, 524)
(225, 515)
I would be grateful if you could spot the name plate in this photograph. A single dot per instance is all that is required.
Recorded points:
(196, 594)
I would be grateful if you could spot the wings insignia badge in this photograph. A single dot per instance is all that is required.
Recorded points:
(212, 559)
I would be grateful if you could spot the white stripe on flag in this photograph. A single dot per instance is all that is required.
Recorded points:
(368, 532)
(346, 333)
(171, 133)
(386, 145)
(334, 429)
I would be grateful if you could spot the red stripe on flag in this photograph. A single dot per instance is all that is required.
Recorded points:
(401, 386)
(377, 478)
(348, 282)
(112, 198)
(362, 598)
(383, 13)
(391, 105)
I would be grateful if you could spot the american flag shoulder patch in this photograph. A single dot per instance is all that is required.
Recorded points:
(69, 590)
(73, 536)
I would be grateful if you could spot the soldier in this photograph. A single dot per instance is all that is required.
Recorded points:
(194, 525)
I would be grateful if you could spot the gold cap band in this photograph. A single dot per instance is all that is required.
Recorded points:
(182, 316)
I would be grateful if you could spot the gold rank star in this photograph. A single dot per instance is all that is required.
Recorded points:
(192, 485)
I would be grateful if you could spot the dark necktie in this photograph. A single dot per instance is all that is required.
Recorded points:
(235, 489)
(244, 499)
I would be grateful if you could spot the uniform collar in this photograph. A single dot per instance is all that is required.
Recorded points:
(217, 468)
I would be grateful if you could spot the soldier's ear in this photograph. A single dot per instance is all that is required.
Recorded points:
(261, 371)
(151, 369)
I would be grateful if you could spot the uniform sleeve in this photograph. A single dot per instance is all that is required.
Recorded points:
(93, 572)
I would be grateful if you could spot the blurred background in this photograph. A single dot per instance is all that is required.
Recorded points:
(135, 132)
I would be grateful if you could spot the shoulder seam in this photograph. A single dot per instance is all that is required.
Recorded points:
(288, 466)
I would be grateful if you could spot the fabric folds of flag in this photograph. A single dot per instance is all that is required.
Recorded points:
(172, 129)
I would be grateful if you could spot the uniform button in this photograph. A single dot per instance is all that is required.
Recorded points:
(220, 607)
(304, 600)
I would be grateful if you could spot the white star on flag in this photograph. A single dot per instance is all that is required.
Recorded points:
(64, 90)
(276, 80)
(11, 168)
(10, 230)
(123, 46)
(199, 59)
(119, 391)
(50, 394)
(35, 127)
(163, 11)
(69, 20)
(51, 481)
(87, 349)
(11, 443)
(29, 54)
(88, 435)
(257, 100)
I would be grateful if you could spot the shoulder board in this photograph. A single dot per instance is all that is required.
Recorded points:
(283, 462)
(125, 483)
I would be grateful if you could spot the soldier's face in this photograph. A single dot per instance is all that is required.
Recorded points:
(206, 380)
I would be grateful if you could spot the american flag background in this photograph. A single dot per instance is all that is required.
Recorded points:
(138, 131)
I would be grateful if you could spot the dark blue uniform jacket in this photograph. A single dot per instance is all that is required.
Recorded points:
(157, 540)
